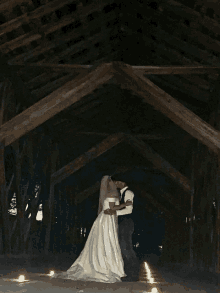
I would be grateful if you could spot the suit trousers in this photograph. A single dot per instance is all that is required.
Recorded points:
(126, 229)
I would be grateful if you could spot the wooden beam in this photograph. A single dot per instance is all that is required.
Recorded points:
(191, 91)
(50, 204)
(80, 46)
(3, 87)
(10, 4)
(36, 14)
(172, 70)
(45, 46)
(193, 103)
(161, 70)
(44, 77)
(155, 15)
(160, 163)
(87, 157)
(94, 188)
(167, 105)
(188, 13)
(87, 192)
(41, 92)
(141, 136)
(2, 151)
(174, 204)
(47, 29)
(54, 103)
(193, 31)
(191, 207)
(3, 195)
(172, 201)
(156, 203)
(177, 43)
(218, 220)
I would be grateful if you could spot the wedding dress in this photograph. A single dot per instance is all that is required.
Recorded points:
(101, 259)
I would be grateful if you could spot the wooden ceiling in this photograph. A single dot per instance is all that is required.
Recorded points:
(94, 31)
(37, 35)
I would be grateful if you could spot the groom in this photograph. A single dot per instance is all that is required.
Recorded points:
(126, 229)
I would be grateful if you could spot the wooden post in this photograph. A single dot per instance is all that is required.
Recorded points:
(218, 220)
(48, 230)
(191, 208)
(33, 205)
(3, 192)
(54, 158)
(20, 196)
(2, 176)
(4, 202)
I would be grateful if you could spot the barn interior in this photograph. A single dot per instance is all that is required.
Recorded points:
(92, 88)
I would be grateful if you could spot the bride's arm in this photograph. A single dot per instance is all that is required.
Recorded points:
(115, 207)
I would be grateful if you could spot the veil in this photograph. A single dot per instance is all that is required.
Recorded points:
(107, 189)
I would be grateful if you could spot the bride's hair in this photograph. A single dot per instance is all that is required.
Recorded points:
(107, 189)
(118, 178)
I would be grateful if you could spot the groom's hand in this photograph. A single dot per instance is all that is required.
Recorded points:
(109, 212)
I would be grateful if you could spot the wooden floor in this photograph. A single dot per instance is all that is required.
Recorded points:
(151, 279)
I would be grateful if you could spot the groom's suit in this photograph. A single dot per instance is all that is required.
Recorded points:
(126, 229)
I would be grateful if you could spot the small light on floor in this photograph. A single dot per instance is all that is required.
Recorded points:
(151, 280)
(51, 273)
(21, 278)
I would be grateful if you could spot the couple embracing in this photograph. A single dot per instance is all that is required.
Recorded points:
(109, 240)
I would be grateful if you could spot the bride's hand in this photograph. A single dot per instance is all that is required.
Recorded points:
(129, 203)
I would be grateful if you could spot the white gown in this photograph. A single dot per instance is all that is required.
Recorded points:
(100, 259)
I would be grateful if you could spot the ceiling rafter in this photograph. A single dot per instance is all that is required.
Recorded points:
(166, 104)
(80, 46)
(192, 32)
(46, 108)
(141, 70)
(36, 14)
(190, 103)
(112, 141)
(80, 197)
(41, 92)
(159, 162)
(48, 29)
(83, 195)
(100, 75)
(90, 191)
(158, 205)
(183, 84)
(146, 89)
(181, 46)
(37, 81)
(87, 157)
(55, 27)
(140, 136)
(195, 17)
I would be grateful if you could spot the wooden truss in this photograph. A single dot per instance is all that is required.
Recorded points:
(127, 77)
(133, 80)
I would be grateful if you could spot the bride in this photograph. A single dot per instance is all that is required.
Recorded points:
(101, 259)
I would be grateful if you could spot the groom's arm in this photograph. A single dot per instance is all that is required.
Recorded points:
(129, 195)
